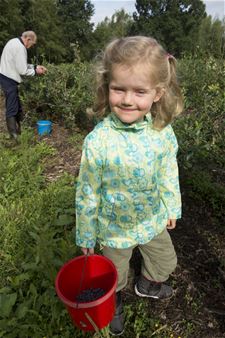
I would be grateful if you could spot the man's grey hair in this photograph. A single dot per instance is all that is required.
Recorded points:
(30, 34)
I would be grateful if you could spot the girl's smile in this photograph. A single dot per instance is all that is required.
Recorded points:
(130, 93)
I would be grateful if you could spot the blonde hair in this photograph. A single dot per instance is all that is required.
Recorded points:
(134, 50)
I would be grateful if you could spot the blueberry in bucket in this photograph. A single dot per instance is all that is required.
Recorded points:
(89, 295)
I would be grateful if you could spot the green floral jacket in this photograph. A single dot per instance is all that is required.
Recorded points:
(128, 184)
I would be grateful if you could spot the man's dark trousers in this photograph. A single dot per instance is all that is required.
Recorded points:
(12, 101)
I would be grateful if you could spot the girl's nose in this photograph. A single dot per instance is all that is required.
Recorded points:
(127, 98)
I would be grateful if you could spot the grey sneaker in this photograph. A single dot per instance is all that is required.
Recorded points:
(147, 288)
(116, 327)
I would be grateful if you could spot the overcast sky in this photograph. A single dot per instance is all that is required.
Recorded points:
(104, 8)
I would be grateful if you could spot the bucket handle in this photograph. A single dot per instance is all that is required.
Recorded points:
(82, 276)
(93, 324)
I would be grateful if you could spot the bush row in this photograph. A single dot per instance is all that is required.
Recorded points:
(201, 131)
(62, 95)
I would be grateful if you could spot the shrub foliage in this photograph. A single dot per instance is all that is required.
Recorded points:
(63, 95)
(201, 130)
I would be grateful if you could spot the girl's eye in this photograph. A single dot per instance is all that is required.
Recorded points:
(140, 92)
(118, 89)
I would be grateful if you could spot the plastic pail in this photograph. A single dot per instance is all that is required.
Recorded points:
(44, 127)
(81, 273)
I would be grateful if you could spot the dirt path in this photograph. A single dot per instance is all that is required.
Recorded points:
(67, 158)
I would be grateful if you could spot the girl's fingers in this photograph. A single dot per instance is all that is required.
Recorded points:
(87, 251)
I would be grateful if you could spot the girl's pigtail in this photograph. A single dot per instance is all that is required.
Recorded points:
(100, 107)
(171, 103)
(173, 87)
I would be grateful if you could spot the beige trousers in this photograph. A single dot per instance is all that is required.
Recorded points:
(159, 259)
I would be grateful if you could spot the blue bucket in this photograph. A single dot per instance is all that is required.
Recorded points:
(44, 127)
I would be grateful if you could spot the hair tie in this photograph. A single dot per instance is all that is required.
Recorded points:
(169, 56)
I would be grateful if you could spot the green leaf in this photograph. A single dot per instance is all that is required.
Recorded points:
(21, 310)
(5, 290)
(30, 266)
(70, 211)
(33, 289)
(65, 220)
(20, 278)
(34, 235)
(6, 303)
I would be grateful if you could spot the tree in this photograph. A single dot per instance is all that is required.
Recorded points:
(211, 37)
(11, 22)
(75, 16)
(174, 23)
(63, 26)
(118, 26)
(218, 38)
(43, 19)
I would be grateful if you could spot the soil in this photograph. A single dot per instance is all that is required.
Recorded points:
(197, 309)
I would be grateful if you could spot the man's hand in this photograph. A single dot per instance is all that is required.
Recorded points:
(40, 70)
(87, 251)
(171, 224)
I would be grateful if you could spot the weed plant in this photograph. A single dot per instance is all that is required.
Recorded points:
(36, 236)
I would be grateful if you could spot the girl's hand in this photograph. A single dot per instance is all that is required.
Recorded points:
(171, 224)
(87, 251)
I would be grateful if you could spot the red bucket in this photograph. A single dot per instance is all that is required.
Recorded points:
(82, 273)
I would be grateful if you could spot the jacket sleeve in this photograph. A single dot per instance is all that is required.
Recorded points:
(168, 177)
(88, 191)
(21, 63)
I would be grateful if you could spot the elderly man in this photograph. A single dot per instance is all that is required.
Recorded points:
(13, 65)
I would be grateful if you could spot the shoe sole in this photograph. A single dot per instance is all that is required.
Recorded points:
(142, 295)
(147, 296)
(116, 334)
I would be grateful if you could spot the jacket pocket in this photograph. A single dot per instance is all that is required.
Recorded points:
(118, 214)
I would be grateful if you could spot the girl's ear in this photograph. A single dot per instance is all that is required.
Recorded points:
(159, 93)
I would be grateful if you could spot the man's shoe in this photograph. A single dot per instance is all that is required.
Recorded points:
(147, 288)
(18, 128)
(19, 118)
(116, 327)
(12, 127)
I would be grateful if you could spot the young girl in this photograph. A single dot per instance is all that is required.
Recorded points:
(128, 190)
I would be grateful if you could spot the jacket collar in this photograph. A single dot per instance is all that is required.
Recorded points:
(21, 40)
(117, 124)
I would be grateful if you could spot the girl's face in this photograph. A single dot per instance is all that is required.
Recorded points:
(130, 93)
